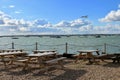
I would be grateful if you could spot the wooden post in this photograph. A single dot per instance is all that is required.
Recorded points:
(66, 48)
(105, 48)
(36, 46)
(12, 45)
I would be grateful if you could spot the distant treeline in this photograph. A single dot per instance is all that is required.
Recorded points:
(60, 35)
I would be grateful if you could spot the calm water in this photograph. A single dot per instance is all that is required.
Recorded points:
(74, 43)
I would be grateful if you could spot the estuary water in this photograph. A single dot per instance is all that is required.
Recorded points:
(63, 44)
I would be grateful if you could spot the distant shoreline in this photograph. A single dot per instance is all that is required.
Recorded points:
(60, 35)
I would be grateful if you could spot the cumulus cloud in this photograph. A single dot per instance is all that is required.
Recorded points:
(21, 25)
(75, 23)
(3, 15)
(23, 29)
(40, 22)
(79, 23)
(111, 16)
(1, 22)
(86, 28)
(42, 26)
(69, 27)
(63, 24)
(9, 25)
(107, 29)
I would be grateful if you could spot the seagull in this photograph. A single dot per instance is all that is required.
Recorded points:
(86, 16)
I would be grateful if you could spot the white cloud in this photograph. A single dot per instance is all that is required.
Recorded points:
(63, 24)
(86, 28)
(79, 23)
(119, 6)
(3, 15)
(11, 30)
(111, 16)
(40, 26)
(11, 6)
(23, 29)
(107, 29)
(69, 27)
(1, 22)
(40, 22)
(74, 24)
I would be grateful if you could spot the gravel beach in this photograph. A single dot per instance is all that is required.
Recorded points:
(72, 71)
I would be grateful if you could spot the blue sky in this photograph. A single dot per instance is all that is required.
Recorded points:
(59, 17)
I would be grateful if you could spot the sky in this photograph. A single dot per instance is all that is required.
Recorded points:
(59, 17)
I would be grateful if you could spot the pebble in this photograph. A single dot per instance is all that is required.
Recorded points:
(80, 71)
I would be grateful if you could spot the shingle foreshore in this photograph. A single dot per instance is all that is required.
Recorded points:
(72, 71)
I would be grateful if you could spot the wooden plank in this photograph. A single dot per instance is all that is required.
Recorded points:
(55, 60)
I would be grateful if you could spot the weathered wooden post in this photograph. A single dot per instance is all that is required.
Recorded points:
(12, 45)
(66, 48)
(36, 46)
(105, 47)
